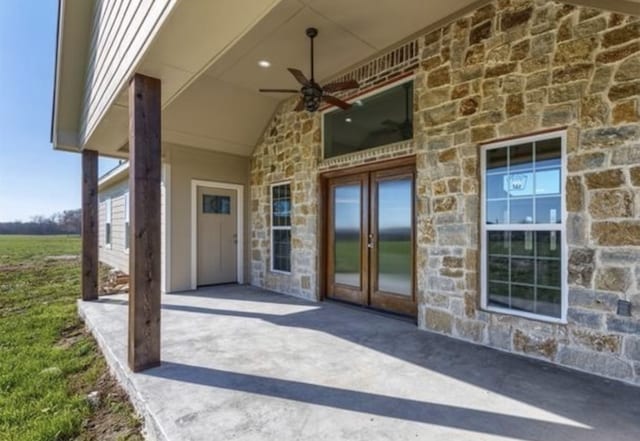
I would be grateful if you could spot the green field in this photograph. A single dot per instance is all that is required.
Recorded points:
(394, 257)
(48, 363)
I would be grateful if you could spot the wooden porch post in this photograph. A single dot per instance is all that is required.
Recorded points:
(144, 253)
(89, 284)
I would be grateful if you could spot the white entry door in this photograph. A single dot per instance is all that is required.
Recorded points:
(217, 240)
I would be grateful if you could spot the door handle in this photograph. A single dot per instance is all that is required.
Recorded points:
(370, 244)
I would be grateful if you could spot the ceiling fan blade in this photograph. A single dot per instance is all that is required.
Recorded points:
(341, 85)
(279, 90)
(299, 76)
(336, 102)
(300, 105)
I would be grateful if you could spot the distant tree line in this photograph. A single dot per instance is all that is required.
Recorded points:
(66, 222)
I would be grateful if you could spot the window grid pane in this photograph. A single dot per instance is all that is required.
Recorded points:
(281, 227)
(524, 266)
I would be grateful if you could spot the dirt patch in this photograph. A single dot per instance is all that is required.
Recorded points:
(113, 419)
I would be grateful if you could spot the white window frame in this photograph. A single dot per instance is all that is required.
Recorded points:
(272, 228)
(127, 223)
(356, 98)
(562, 227)
(108, 224)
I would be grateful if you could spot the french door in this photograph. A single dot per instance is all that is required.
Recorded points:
(370, 239)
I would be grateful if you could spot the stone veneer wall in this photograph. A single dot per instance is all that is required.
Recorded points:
(510, 68)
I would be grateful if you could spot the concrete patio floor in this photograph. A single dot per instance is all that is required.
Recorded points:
(241, 363)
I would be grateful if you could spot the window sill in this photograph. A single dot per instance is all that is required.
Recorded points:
(285, 273)
(523, 314)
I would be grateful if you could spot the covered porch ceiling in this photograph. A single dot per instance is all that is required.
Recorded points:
(210, 73)
(211, 99)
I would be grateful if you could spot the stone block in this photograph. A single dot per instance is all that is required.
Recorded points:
(543, 44)
(597, 341)
(632, 348)
(499, 336)
(593, 300)
(434, 97)
(479, 134)
(537, 80)
(572, 72)
(515, 105)
(543, 347)
(534, 64)
(482, 14)
(583, 317)
(626, 325)
(449, 235)
(439, 77)
(628, 69)
(498, 70)
(574, 194)
(609, 136)
(594, 111)
(630, 89)
(624, 233)
(590, 27)
(626, 155)
(566, 92)
(440, 115)
(599, 363)
(438, 320)
(634, 174)
(470, 329)
(618, 53)
(520, 50)
(469, 106)
(581, 266)
(626, 111)
(601, 79)
(448, 203)
(512, 18)
(558, 115)
(621, 35)
(607, 204)
(576, 229)
(479, 33)
(575, 50)
(613, 279)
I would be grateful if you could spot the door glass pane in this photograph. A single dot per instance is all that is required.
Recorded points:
(347, 230)
(394, 236)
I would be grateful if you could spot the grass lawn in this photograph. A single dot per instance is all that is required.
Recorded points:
(48, 363)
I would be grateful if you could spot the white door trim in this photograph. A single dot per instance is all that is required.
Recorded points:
(239, 189)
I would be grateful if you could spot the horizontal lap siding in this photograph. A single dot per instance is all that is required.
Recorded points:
(115, 256)
(120, 31)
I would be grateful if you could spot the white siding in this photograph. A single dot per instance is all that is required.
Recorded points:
(121, 30)
(116, 255)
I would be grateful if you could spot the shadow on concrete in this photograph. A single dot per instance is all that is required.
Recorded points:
(610, 409)
(374, 404)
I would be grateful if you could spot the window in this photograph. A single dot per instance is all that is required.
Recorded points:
(127, 223)
(381, 119)
(107, 223)
(213, 204)
(523, 232)
(281, 228)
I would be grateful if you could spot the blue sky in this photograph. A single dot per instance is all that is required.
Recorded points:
(34, 179)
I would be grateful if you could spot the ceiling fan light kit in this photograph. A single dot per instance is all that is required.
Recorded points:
(312, 94)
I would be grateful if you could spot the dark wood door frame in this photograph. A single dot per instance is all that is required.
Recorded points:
(324, 224)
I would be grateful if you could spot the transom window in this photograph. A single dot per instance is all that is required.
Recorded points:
(380, 119)
(523, 230)
(281, 227)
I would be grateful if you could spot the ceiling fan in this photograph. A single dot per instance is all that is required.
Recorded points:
(312, 93)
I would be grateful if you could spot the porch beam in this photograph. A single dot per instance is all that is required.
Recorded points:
(89, 228)
(144, 254)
